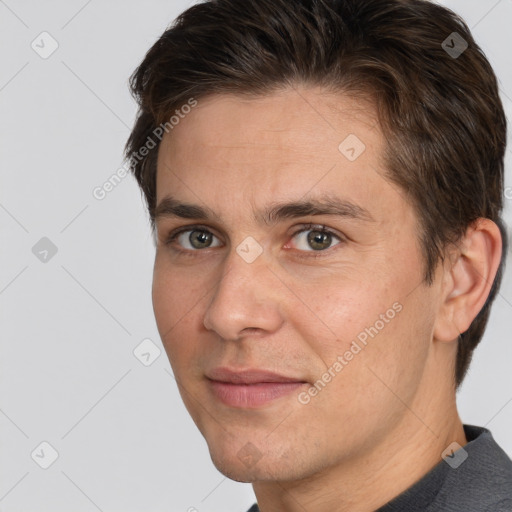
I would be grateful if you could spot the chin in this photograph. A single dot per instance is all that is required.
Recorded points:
(249, 465)
(239, 461)
(240, 472)
(237, 472)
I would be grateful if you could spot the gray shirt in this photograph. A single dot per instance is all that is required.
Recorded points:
(482, 482)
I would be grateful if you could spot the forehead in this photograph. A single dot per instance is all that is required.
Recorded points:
(299, 116)
(292, 144)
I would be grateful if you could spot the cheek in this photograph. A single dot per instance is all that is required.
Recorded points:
(164, 295)
(175, 289)
(380, 361)
(396, 344)
(175, 299)
(340, 306)
(373, 323)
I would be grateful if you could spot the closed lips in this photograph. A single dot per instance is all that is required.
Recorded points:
(250, 389)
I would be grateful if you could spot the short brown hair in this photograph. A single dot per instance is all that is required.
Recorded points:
(440, 111)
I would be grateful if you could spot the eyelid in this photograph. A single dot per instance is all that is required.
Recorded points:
(317, 227)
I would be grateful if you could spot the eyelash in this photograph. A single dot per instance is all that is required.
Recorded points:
(305, 254)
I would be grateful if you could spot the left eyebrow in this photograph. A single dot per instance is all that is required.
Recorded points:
(275, 213)
(326, 205)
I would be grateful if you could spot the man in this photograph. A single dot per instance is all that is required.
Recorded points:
(324, 179)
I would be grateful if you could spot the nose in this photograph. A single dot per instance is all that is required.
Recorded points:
(245, 299)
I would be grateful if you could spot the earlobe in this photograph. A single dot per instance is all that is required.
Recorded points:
(468, 279)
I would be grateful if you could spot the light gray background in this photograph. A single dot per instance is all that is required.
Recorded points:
(69, 326)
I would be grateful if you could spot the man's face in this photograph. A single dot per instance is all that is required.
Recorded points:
(290, 299)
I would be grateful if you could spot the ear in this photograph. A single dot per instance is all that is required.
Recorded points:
(467, 279)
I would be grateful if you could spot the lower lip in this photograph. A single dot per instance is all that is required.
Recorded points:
(252, 395)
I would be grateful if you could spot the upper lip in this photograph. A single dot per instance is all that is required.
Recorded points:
(248, 376)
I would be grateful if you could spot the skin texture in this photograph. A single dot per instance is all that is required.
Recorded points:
(382, 421)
